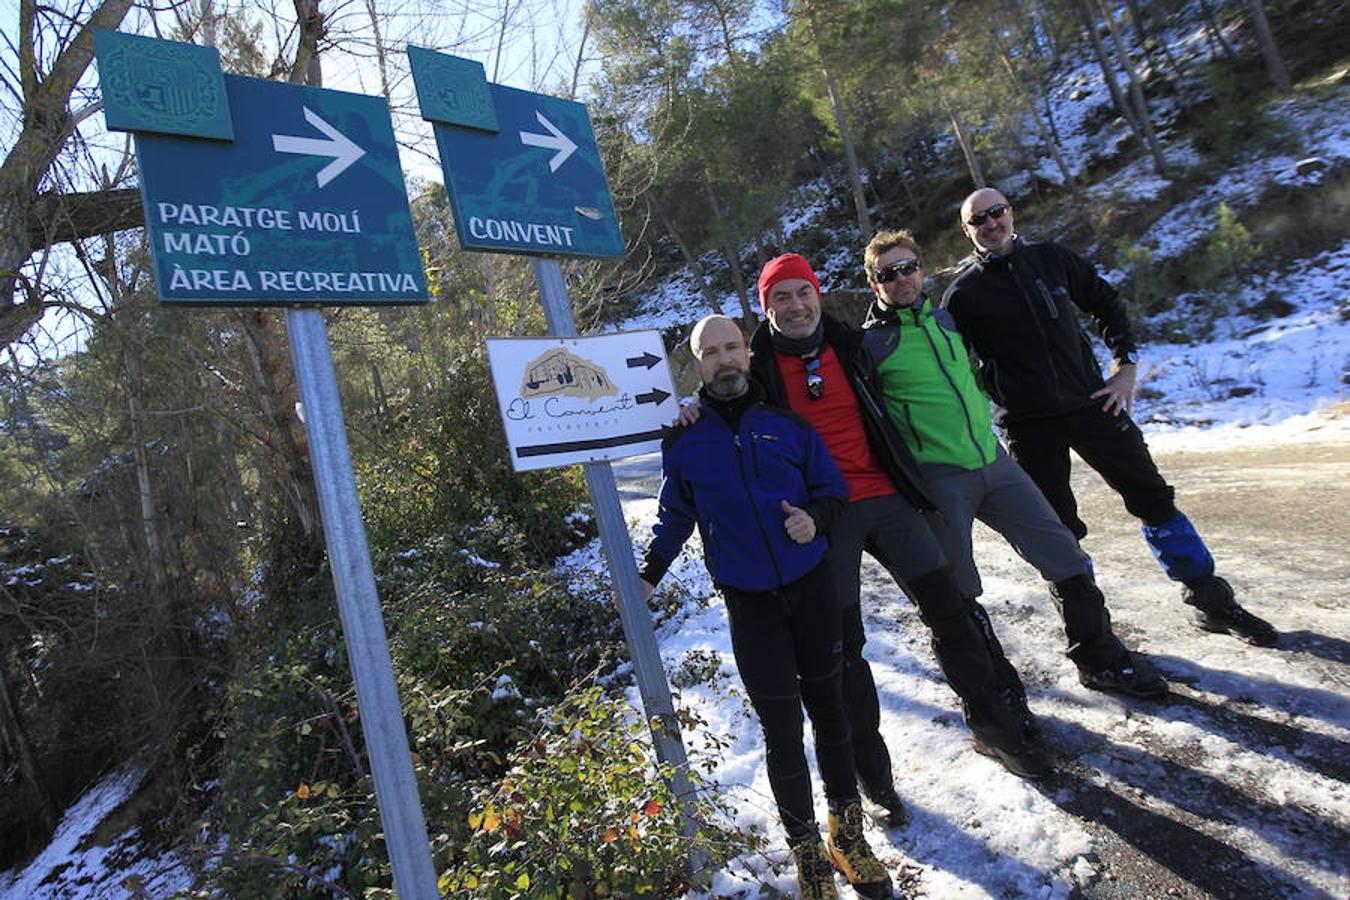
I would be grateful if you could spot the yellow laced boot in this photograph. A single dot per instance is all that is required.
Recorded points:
(850, 854)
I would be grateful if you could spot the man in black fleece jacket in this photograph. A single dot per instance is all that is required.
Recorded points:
(1016, 303)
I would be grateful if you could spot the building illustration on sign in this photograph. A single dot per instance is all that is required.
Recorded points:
(559, 373)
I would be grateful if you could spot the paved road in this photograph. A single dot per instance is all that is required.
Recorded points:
(1191, 800)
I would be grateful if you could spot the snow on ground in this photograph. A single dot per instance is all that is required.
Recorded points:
(72, 869)
(1322, 130)
(1258, 373)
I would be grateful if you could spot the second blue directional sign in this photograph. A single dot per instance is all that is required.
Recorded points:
(297, 198)
(523, 170)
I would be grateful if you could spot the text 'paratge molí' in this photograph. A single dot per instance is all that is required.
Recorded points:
(258, 217)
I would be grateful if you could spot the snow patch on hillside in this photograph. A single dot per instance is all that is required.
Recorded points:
(70, 869)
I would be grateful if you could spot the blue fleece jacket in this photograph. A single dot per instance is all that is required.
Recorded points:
(731, 484)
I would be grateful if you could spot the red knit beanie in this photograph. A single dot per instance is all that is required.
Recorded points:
(789, 265)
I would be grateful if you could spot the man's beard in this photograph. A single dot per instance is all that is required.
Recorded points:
(729, 385)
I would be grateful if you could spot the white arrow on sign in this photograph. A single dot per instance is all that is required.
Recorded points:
(556, 140)
(338, 146)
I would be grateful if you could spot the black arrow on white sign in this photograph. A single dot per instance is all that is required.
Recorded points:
(655, 396)
(646, 360)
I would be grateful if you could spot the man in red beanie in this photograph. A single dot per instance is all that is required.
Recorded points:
(815, 366)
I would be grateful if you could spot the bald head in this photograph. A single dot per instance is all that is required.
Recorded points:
(993, 214)
(721, 357)
(718, 325)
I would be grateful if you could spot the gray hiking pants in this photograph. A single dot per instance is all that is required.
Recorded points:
(1005, 498)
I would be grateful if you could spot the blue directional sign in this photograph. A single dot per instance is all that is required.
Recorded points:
(535, 185)
(305, 205)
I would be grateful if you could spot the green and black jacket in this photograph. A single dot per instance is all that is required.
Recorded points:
(929, 386)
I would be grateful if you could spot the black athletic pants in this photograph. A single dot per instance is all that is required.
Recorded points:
(1113, 445)
(788, 653)
(899, 537)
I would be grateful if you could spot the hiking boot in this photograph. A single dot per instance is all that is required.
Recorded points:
(886, 809)
(1025, 760)
(1217, 611)
(815, 876)
(1026, 720)
(1129, 674)
(850, 854)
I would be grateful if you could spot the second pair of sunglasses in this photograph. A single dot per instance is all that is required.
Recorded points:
(905, 267)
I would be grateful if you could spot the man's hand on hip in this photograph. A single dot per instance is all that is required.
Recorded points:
(1119, 390)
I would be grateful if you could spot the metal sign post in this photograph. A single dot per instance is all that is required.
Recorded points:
(405, 830)
(633, 612)
(524, 175)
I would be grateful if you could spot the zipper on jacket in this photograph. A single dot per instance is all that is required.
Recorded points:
(909, 420)
(951, 383)
(756, 438)
(1040, 329)
(1047, 299)
(750, 498)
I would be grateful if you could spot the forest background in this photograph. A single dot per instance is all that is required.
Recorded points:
(164, 597)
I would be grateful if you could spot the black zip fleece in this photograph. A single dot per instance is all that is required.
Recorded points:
(1019, 314)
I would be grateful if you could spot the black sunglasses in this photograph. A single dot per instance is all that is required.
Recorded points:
(994, 212)
(904, 267)
(815, 382)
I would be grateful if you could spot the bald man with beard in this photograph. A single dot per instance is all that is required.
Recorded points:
(761, 488)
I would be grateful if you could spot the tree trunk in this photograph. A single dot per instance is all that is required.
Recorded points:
(1030, 103)
(1039, 19)
(145, 493)
(586, 13)
(1137, 17)
(1104, 63)
(728, 45)
(1214, 32)
(208, 23)
(16, 736)
(1137, 94)
(850, 156)
(727, 245)
(1270, 51)
(45, 118)
(689, 259)
(958, 127)
(278, 404)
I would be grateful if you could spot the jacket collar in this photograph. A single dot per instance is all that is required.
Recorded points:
(879, 313)
(982, 258)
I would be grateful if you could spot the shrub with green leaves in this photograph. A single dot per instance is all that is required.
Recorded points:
(1229, 250)
(583, 812)
(1227, 126)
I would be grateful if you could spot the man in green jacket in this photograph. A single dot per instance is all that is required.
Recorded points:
(932, 396)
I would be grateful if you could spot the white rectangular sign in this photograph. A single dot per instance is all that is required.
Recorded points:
(583, 399)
